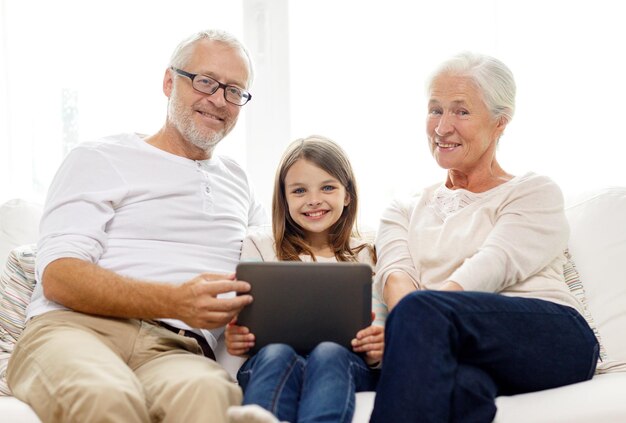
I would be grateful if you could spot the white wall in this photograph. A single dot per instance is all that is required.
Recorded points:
(353, 70)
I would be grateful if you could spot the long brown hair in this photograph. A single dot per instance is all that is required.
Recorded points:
(289, 237)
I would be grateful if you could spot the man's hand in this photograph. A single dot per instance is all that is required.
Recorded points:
(239, 340)
(196, 301)
(370, 341)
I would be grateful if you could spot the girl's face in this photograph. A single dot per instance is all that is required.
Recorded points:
(315, 198)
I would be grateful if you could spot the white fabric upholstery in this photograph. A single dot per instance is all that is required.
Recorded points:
(597, 246)
(19, 225)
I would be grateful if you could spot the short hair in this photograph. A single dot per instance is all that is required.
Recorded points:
(492, 78)
(329, 156)
(182, 53)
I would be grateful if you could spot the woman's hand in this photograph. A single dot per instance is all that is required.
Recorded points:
(370, 341)
(398, 285)
(239, 340)
(451, 286)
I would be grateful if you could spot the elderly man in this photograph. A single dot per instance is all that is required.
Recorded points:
(138, 237)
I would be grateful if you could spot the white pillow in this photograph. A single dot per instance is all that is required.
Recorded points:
(19, 225)
(17, 281)
(598, 246)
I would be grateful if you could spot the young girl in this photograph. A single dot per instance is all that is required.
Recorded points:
(314, 216)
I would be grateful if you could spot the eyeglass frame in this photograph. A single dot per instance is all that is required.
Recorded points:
(192, 77)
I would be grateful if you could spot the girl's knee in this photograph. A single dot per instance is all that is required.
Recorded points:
(328, 351)
(276, 352)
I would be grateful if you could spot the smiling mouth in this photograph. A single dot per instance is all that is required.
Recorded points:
(316, 214)
(447, 144)
(210, 116)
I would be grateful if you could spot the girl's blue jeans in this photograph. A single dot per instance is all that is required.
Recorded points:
(317, 388)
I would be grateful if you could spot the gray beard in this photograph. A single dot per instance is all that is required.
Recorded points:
(182, 121)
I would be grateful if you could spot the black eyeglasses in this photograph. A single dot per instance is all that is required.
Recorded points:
(207, 85)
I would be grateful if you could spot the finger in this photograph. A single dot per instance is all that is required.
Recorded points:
(214, 319)
(369, 347)
(222, 286)
(214, 276)
(230, 305)
(243, 338)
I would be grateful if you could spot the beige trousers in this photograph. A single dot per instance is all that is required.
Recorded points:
(72, 367)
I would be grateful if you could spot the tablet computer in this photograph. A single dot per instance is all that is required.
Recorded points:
(302, 304)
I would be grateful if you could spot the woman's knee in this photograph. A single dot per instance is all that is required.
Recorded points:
(416, 304)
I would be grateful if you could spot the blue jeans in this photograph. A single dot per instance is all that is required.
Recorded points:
(318, 388)
(449, 354)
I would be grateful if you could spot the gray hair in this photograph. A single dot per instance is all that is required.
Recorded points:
(182, 53)
(492, 78)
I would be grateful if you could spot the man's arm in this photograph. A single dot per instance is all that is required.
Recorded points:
(89, 288)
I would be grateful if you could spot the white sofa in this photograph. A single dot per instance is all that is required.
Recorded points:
(597, 246)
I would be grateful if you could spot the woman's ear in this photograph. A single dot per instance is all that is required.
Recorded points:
(501, 124)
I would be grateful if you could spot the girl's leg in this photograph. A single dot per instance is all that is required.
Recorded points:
(518, 344)
(332, 375)
(272, 379)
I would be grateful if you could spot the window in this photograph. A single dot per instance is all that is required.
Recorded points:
(74, 71)
(352, 70)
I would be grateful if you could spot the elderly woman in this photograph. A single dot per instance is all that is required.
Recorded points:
(472, 268)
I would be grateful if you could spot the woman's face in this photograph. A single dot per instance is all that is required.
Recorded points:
(462, 134)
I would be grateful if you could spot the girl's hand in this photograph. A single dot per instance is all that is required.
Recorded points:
(239, 340)
(370, 341)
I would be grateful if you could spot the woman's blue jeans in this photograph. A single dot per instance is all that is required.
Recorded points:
(318, 388)
(449, 354)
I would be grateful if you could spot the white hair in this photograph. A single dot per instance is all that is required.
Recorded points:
(182, 53)
(492, 77)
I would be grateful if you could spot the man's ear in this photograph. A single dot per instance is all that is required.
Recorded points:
(168, 83)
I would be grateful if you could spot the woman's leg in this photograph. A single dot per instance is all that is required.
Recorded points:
(332, 375)
(272, 379)
(520, 345)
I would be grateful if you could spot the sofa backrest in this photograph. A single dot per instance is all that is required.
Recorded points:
(598, 247)
(19, 225)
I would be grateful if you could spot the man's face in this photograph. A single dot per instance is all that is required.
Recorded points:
(202, 119)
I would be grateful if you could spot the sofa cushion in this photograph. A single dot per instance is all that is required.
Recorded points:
(19, 225)
(16, 286)
(575, 285)
(598, 246)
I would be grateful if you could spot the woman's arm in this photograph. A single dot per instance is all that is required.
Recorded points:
(395, 265)
(397, 286)
(529, 232)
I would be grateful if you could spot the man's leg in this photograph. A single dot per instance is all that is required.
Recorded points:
(185, 387)
(523, 345)
(67, 373)
(180, 384)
